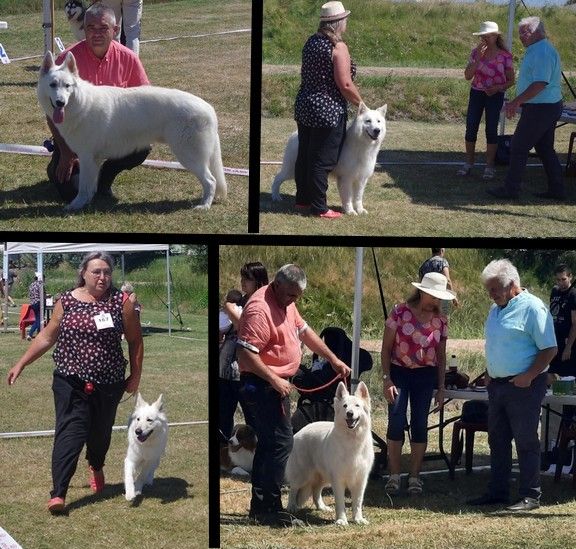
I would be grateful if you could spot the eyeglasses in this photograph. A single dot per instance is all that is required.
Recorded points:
(100, 272)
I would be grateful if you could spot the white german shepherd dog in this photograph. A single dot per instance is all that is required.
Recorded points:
(147, 437)
(100, 122)
(364, 138)
(338, 453)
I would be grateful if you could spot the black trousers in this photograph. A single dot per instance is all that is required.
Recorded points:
(109, 170)
(273, 428)
(81, 419)
(318, 153)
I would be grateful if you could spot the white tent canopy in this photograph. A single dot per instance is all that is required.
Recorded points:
(42, 248)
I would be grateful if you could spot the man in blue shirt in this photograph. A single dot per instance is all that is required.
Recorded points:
(520, 343)
(540, 96)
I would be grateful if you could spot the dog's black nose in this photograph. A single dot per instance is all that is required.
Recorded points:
(349, 414)
(60, 104)
(138, 431)
(376, 131)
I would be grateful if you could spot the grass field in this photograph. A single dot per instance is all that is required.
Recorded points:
(172, 513)
(213, 66)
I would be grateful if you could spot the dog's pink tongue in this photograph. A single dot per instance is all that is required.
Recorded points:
(58, 115)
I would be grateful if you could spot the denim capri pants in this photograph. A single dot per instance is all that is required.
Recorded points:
(479, 103)
(415, 385)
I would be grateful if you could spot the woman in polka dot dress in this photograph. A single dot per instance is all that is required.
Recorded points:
(320, 110)
(491, 70)
(89, 379)
(413, 365)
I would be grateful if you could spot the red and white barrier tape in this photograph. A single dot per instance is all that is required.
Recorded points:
(41, 151)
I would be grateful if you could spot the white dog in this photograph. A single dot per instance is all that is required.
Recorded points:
(338, 454)
(75, 10)
(100, 122)
(357, 160)
(147, 437)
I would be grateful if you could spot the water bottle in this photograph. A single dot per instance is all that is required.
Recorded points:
(453, 363)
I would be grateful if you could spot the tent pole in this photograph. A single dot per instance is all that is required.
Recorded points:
(40, 269)
(357, 318)
(509, 36)
(169, 292)
(6, 288)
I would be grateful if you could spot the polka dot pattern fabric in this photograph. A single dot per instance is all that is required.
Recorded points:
(84, 351)
(319, 103)
(415, 343)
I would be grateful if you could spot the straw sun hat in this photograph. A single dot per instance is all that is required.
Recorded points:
(435, 284)
(488, 27)
(333, 11)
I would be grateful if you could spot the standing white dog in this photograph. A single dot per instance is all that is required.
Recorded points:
(100, 122)
(357, 160)
(338, 454)
(147, 437)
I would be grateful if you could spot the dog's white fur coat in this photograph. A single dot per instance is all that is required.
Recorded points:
(339, 453)
(147, 438)
(100, 122)
(357, 161)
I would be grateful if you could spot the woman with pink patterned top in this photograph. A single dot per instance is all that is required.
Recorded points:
(413, 364)
(491, 70)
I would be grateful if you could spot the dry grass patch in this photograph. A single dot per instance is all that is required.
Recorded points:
(415, 194)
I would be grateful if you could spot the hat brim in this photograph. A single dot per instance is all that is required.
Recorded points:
(334, 18)
(481, 33)
(440, 294)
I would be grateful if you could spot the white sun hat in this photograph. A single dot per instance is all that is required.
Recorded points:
(488, 27)
(333, 11)
(435, 284)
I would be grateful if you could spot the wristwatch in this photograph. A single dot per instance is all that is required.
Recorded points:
(385, 377)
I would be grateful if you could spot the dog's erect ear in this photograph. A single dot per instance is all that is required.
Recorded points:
(48, 63)
(362, 107)
(382, 110)
(341, 390)
(70, 63)
(362, 391)
(139, 401)
(159, 404)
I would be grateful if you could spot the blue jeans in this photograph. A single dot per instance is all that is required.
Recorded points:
(417, 386)
(514, 413)
(271, 414)
(37, 323)
(479, 103)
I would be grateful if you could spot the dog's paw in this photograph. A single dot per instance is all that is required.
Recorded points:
(238, 471)
(202, 207)
(349, 210)
(74, 206)
(362, 211)
(341, 522)
(325, 507)
(361, 520)
(276, 197)
(129, 496)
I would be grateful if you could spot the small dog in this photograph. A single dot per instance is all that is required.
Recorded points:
(237, 456)
(100, 122)
(147, 437)
(357, 161)
(75, 11)
(340, 453)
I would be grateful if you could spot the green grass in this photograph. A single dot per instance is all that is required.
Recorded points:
(173, 513)
(395, 34)
(149, 200)
(328, 299)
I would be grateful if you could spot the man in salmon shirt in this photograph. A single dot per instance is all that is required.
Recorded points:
(102, 62)
(270, 338)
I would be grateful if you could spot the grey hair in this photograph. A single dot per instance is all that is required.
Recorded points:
(503, 271)
(291, 274)
(332, 30)
(99, 9)
(84, 264)
(533, 23)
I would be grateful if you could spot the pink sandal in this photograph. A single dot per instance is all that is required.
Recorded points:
(56, 505)
(96, 479)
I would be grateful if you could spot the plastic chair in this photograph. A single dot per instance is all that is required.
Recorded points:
(459, 440)
(570, 147)
(567, 433)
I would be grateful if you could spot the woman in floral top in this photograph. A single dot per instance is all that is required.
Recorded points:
(413, 365)
(320, 111)
(491, 70)
(89, 379)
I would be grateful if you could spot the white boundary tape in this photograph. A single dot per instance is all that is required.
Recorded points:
(49, 433)
(381, 164)
(152, 40)
(41, 151)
